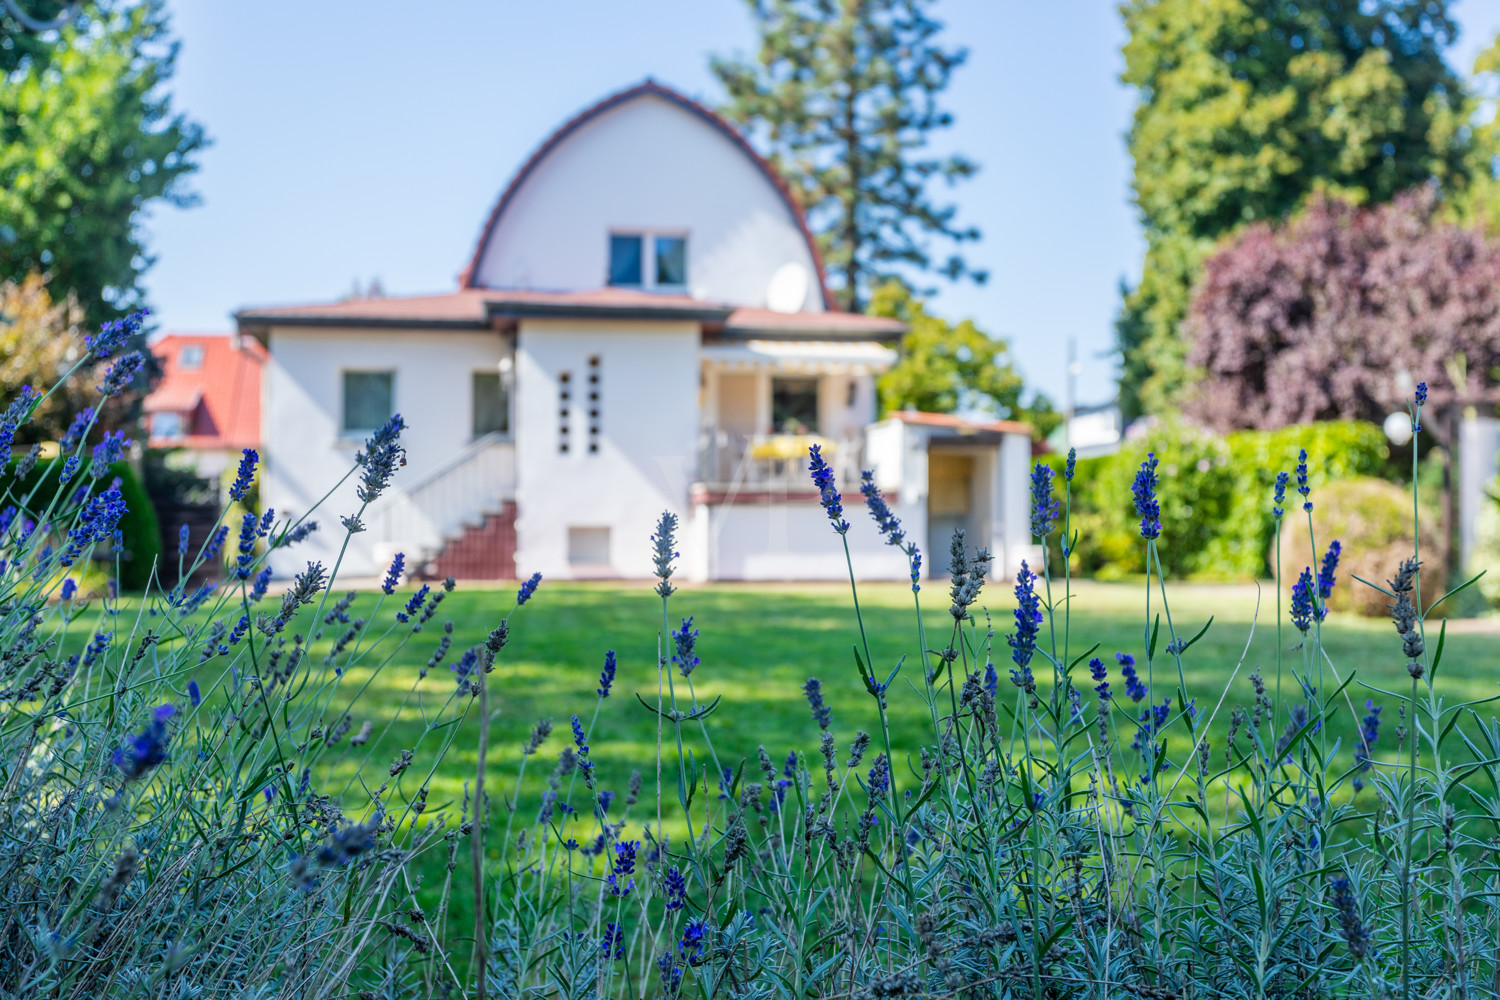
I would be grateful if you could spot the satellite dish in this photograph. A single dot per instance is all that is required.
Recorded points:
(787, 289)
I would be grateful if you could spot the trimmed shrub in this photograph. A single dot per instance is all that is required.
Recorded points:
(1215, 494)
(139, 528)
(1371, 520)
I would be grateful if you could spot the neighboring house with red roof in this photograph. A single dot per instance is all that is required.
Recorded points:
(207, 402)
(643, 325)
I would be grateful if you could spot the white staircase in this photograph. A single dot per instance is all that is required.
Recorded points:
(460, 494)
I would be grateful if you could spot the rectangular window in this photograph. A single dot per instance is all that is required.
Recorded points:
(190, 358)
(794, 405)
(369, 399)
(588, 546)
(671, 260)
(491, 405)
(166, 425)
(625, 259)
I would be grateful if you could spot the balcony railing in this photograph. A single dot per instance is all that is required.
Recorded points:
(752, 463)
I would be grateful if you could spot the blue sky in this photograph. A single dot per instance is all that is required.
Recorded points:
(355, 140)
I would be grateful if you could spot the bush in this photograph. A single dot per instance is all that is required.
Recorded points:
(131, 564)
(1371, 519)
(1215, 490)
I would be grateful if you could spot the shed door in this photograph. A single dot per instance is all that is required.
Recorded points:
(950, 500)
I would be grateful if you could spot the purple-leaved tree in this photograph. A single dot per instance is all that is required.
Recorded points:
(1338, 313)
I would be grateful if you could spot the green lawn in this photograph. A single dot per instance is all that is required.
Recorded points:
(759, 644)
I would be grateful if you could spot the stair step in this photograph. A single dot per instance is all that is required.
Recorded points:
(483, 551)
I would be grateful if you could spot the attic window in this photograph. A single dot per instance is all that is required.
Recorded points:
(671, 260)
(190, 358)
(648, 260)
(625, 259)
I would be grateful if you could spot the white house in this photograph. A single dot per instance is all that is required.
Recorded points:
(643, 326)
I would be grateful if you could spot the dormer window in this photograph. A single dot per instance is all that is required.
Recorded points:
(190, 358)
(648, 260)
(625, 253)
(671, 260)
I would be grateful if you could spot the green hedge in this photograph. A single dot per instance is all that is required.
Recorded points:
(139, 526)
(1215, 494)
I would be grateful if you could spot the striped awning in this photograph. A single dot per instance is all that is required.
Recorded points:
(819, 357)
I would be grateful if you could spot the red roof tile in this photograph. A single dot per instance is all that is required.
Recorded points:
(226, 384)
(959, 423)
(478, 308)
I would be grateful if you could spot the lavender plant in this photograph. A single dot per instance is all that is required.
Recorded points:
(1048, 840)
(174, 766)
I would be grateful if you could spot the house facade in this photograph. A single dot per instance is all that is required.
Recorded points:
(642, 326)
(206, 406)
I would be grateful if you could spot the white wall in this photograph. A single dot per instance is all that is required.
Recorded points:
(1015, 541)
(647, 164)
(649, 421)
(302, 412)
(794, 541)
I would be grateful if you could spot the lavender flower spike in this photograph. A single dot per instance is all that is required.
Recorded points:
(822, 477)
(1143, 492)
(1044, 507)
(528, 589)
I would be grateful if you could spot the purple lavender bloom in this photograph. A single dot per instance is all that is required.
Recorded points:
(1282, 479)
(624, 867)
(413, 604)
(216, 542)
(1302, 486)
(822, 477)
(1044, 507)
(1134, 689)
(195, 695)
(244, 476)
(612, 945)
(182, 540)
(77, 430)
(1351, 927)
(393, 575)
(821, 713)
(880, 776)
(580, 738)
(886, 522)
(261, 585)
(1303, 606)
(115, 334)
(1028, 617)
(146, 750)
(1421, 393)
(683, 642)
(99, 520)
(69, 588)
(1328, 576)
(607, 675)
(991, 680)
(528, 588)
(266, 520)
(1098, 672)
(1143, 491)
(916, 570)
(69, 470)
(1072, 464)
(246, 546)
(675, 884)
(121, 374)
(383, 454)
(109, 451)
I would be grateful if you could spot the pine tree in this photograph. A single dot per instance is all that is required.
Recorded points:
(845, 93)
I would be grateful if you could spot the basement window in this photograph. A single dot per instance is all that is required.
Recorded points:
(588, 546)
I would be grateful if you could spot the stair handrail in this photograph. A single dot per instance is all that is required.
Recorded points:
(463, 457)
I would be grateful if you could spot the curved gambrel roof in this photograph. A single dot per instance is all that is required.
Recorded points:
(468, 277)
